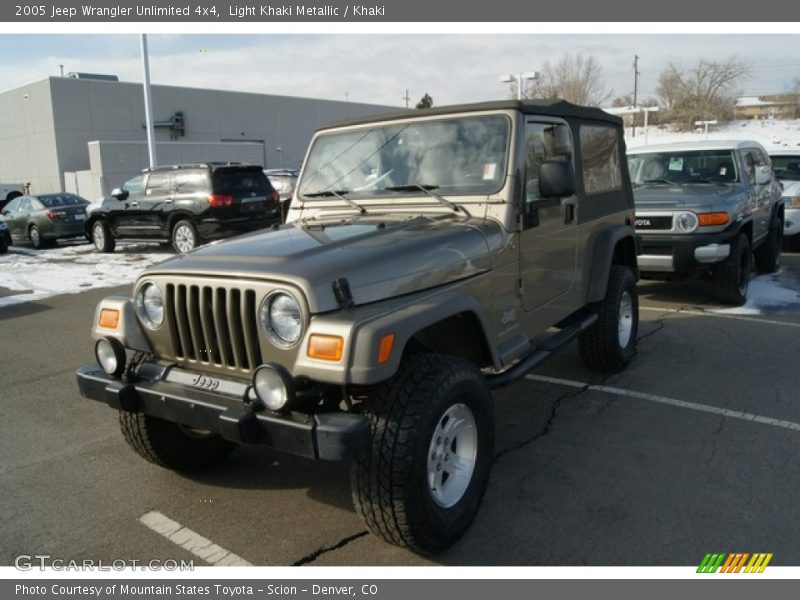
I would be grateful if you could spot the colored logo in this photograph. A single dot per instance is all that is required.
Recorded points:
(735, 563)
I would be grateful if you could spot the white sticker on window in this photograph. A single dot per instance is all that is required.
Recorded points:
(676, 163)
(723, 170)
(489, 170)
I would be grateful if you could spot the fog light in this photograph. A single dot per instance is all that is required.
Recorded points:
(110, 355)
(274, 386)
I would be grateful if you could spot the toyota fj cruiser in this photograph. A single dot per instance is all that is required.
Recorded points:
(704, 208)
(428, 257)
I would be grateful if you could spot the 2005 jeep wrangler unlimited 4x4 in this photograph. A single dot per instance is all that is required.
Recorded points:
(428, 257)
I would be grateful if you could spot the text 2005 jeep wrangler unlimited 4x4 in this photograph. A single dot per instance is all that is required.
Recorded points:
(428, 257)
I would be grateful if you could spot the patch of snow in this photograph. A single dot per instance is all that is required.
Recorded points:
(71, 269)
(773, 134)
(765, 294)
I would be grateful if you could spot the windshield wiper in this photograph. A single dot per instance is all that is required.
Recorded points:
(669, 181)
(340, 194)
(413, 187)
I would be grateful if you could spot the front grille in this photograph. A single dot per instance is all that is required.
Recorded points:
(655, 223)
(213, 325)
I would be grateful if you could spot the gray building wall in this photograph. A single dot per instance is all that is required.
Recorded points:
(47, 134)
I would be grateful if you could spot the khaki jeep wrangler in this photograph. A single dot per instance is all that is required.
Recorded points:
(428, 257)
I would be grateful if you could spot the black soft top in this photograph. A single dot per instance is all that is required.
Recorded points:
(550, 108)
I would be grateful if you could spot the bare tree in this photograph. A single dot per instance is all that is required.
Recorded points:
(574, 77)
(705, 91)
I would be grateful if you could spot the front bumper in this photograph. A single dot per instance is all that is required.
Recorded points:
(683, 253)
(323, 436)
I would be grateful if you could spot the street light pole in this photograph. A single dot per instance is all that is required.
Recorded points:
(519, 78)
(635, 90)
(148, 103)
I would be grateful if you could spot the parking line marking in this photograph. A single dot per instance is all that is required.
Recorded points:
(714, 410)
(191, 541)
(702, 313)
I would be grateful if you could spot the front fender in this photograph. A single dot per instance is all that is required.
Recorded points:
(128, 329)
(602, 254)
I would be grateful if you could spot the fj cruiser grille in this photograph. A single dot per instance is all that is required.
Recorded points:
(213, 325)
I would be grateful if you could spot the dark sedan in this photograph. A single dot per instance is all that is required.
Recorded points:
(45, 218)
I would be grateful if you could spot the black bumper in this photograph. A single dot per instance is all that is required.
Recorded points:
(323, 436)
(682, 249)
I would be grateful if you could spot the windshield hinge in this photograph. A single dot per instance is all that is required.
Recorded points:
(520, 287)
(341, 291)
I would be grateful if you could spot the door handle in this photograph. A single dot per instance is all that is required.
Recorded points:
(569, 212)
(168, 201)
(133, 204)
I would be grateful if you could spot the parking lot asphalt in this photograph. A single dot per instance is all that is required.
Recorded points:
(693, 449)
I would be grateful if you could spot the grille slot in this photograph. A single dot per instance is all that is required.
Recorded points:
(214, 325)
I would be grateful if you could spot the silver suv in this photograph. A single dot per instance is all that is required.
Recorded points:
(703, 208)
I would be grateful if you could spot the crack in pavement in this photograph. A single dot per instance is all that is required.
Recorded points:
(551, 419)
(714, 435)
(309, 558)
(661, 320)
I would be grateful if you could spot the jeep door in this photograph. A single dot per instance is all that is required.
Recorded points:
(549, 239)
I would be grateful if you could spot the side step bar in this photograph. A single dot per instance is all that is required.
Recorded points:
(541, 353)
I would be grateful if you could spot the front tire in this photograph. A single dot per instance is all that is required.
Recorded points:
(101, 237)
(184, 237)
(170, 445)
(768, 254)
(610, 343)
(732, 277)
(35, 237)
(421, 483)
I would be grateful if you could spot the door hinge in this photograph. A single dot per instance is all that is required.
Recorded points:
(520, 287)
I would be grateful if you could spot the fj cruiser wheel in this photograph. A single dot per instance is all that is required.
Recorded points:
(610, 343)
(768, 254)
(422, 481)
(101, 237)
(732, 277)
(171, 445)
(184, 237)
(36, 237)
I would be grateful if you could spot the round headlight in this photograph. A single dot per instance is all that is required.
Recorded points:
(110, 356)
(686, 222)
(150, 304)
(274, 387)
(282, 319)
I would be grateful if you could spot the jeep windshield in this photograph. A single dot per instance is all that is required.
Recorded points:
(460, 156)
(696, 166)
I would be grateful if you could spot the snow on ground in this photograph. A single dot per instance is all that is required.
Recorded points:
(773, 134)
(71, 268)
(767, 294)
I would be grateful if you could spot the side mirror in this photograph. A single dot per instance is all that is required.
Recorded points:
(763, 175)
(556, 179)
(119, 193)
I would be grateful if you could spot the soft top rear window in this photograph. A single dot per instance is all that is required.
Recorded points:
(241, 181)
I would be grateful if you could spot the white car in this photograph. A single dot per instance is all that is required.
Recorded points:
(786, 164)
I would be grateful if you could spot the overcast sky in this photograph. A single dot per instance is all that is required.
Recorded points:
(378, 69)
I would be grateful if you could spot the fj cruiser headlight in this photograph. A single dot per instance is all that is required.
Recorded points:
(150, 304)
(686, 222)
(282, 319)
(792, 201)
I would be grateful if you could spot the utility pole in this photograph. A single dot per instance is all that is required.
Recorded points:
(635, 90)
(62, 69)
(407, 98)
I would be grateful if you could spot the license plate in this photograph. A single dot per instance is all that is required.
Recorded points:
(254, 199)
(207, 382)
(80, 217)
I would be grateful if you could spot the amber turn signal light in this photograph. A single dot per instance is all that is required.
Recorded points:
(109, 319)
(385, 348)
(715, 218)
(325, 347)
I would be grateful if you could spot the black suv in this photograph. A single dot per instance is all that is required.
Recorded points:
(185, 205)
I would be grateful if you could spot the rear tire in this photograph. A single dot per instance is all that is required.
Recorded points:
(184, 237)
(732, 277)
(170, 445)
(610, 343)
(101, 237)
(768, 254)
(421, 483)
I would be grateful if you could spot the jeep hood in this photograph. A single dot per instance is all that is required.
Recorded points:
(701, 197)
(380, 257)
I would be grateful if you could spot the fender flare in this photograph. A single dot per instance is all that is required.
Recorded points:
(600, 256)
